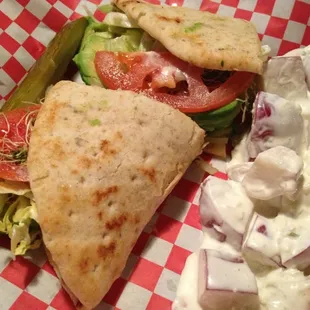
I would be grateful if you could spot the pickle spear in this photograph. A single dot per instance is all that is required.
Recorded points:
(50, 67)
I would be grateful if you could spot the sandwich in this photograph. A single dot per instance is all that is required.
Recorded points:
(91, 187)
(200, 63)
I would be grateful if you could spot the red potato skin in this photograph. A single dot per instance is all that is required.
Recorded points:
(210, 218)
(210, 299)
(258, 225)
(220, 300)
(301, 261)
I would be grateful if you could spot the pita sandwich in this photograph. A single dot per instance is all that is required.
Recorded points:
(100, 163)
(201, 38)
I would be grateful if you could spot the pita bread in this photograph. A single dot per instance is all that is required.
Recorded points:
(12, 187)
(200, 38)
(100, 163)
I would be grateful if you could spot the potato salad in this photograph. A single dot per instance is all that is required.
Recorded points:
(255, 252)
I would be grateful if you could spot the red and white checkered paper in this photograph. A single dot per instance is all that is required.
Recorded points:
(151, 277)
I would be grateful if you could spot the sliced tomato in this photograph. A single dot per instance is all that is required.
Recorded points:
(15, 129)
(158, 74)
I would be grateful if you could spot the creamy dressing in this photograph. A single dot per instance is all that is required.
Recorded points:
(239, 154)
(165, 75)
(294, 238)
(176, 72)
(279, 232)
(119, 20)
(187, 292)
(282, 289)
(77, 78)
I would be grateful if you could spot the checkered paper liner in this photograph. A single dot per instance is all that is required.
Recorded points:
(151, 276)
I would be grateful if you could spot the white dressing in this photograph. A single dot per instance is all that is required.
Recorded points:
(187, 293)
(119, 20)
(239, 154)
(283, 289)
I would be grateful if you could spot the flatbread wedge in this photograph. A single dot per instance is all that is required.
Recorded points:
(201, 38)
(100, 163)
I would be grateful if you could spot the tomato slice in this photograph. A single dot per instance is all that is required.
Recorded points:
(158, 74)
(15, 129)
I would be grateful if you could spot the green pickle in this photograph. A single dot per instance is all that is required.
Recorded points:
(50, 67)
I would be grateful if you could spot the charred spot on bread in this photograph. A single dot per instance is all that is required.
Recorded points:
(85, 162)
(176, 19)
(103, 251)
(99, 215)
(119, 135)
(150, 173)
(65, 198)
(84, 263)
(100, 195)
(105, 146)
(116, 222)
(52, 117)
(136, 219)
(55, 146)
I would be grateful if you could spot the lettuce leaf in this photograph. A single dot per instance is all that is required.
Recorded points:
(18, 219)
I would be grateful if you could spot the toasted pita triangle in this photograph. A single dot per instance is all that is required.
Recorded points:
(200, 38)
(12, 187)
(100, 163)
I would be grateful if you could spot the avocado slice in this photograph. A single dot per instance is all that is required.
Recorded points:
(101, 37)
(50, 67)
(218, 119)
(223, 132)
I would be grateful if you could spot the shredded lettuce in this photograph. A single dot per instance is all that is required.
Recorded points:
(147, 43)
(19, 220)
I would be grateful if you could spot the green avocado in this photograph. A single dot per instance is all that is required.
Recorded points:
(101, 37)
(218, 119)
